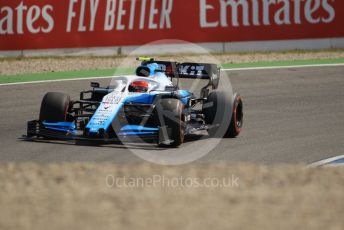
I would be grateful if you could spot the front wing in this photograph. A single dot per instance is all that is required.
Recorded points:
(68, 131)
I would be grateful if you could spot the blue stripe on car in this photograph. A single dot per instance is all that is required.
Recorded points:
(60, 126)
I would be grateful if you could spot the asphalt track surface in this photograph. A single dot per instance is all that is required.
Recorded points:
(291, 116)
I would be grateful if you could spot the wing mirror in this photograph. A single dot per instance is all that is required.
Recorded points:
(95, 85)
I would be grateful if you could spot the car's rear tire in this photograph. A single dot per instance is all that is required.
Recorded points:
(54, 107)
(170, 112)
(237, 118)
(221, 113)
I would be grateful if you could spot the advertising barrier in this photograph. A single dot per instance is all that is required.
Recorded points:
(50, 24)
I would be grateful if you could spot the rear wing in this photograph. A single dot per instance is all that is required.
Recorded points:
(187, 70)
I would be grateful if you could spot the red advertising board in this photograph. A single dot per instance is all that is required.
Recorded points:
(37, 24)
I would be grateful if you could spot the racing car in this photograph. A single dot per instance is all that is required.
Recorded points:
(147, 106)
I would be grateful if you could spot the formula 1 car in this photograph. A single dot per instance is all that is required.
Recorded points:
(147, 106)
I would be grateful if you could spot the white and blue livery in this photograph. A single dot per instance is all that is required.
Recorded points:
(146, 106)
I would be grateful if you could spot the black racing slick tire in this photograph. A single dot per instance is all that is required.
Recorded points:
(54, 107)
(170, 113)
(219, 114)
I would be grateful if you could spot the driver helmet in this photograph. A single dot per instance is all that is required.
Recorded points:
(138, 86)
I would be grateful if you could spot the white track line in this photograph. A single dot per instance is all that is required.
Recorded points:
(57, 80)
(284, 67)
(233, 69)
(326, 161)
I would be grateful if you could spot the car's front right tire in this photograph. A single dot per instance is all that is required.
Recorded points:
(170, 112)
(54, 107)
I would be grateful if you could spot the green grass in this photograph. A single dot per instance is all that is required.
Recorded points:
(62, 75)
(283, 63)
(111, 72)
